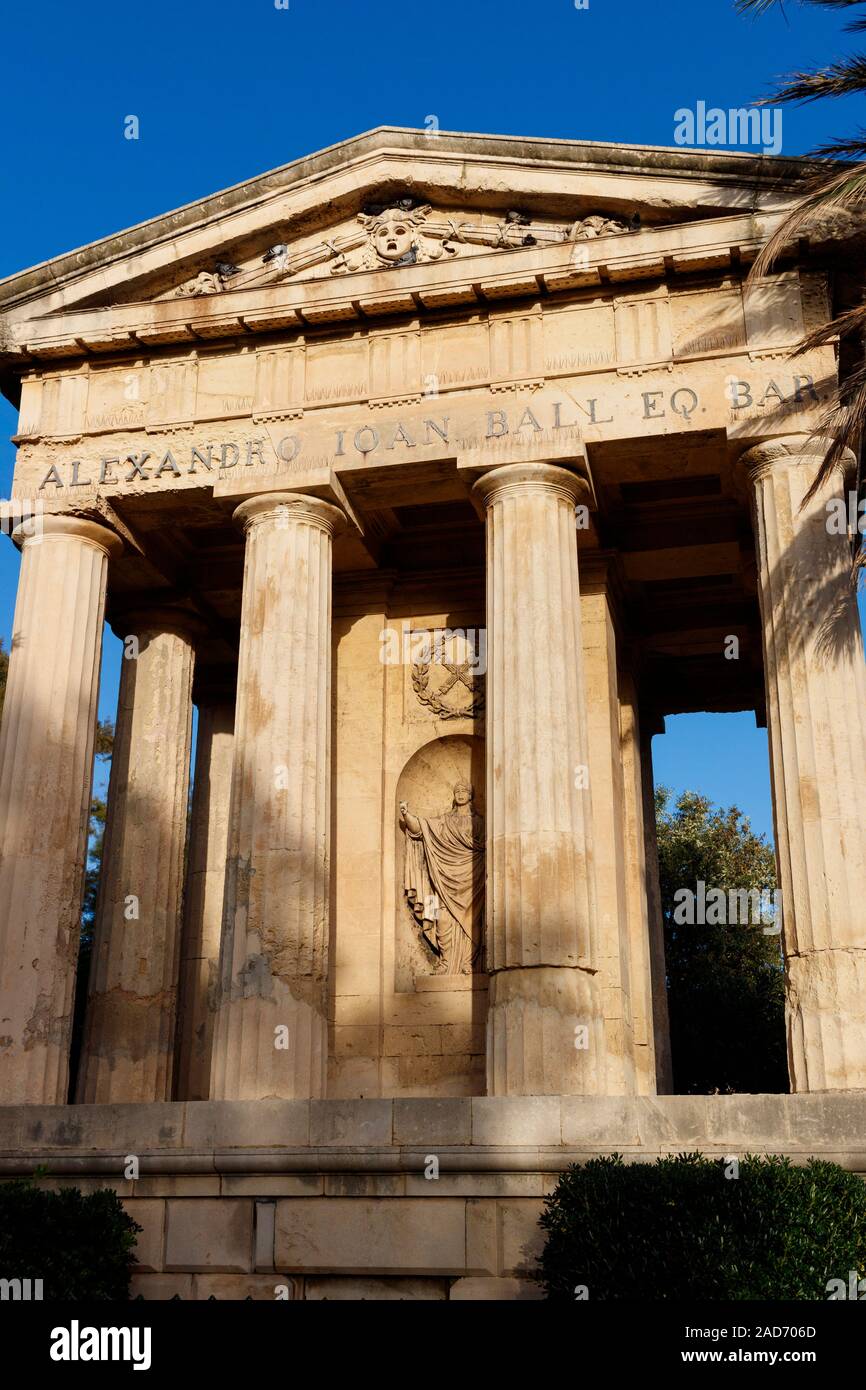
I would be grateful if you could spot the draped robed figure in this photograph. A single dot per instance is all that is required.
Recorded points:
(443, 879)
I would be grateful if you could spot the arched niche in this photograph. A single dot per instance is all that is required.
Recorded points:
(427, 784)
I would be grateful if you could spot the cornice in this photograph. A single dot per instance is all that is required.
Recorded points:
(490, 279)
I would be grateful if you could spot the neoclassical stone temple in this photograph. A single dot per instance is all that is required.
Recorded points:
(421, 478)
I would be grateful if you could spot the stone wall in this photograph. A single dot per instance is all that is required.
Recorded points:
(330, 1199)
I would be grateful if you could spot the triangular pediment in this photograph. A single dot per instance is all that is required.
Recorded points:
(392, 199)
(394, 234)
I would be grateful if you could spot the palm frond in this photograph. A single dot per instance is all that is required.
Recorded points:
(755, 6)
(843, 423)
(852, 147)
(761, 6)
(853, 321)
(844, 188)
(838, 80)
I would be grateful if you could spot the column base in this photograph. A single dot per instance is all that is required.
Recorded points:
(826, 1013)
(270, 1049)
(545, 1033)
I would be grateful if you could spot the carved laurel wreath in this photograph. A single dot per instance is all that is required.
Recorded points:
(459, 673)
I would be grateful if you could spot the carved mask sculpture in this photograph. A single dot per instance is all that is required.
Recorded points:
(393, 236)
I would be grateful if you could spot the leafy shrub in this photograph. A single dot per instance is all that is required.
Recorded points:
(79, 1246)
(680, 1229)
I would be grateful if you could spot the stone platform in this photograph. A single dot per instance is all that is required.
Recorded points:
(332, 1198)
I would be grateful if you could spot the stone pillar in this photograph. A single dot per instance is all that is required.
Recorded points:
(203, 905)
(541, 946)
(608, 826)
(270, 1034)
(658, 973)
(46, 769)
(128, 1045)
(644, 980)
(816, 715)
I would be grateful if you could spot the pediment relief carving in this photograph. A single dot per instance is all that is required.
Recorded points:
(401, 233)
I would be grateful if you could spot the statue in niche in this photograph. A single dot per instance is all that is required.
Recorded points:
(443, 879)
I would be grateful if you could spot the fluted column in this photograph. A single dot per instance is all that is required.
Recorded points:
(816, 715)
(541, 934)
(640, 931)
(270, 1036)
(203, 906)
(127, 1050)
(46, 769)
(658, 974)
(604, 757)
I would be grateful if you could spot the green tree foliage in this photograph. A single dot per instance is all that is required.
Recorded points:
(98, 811)
(694, 1228)
(104, 738)
(81, 1247)
(725, 982)
(96, 836)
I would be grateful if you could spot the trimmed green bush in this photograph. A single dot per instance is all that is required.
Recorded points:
(79, 1246)
(680, 1228)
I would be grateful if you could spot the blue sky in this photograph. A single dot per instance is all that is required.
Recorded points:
(223, 91)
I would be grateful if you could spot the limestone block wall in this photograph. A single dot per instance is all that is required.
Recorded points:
(337, 1199)
(397, 1028)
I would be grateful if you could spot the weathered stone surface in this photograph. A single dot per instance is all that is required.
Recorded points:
(359, 1123)
(358, 1235)
(590, 1122)
(658, 979)
(525, 1120)
(207, 1234)
(475, 1290)
(149, 1243)
(203, 905)
(384, 1138)
(421, 1123)
(376, 1290)
(232, 1124)
(347, 1210)
(270, 1035)
(128, 1044)
(816, 713)
(237, 1287)
(521, 1237)
(606, 776)
(161, 1287)
(542, 949)
(46, 764)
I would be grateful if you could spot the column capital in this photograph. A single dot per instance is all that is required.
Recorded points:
(282, 507)
(155, 618)
(785, 450)
(58, 525)
(531, 478)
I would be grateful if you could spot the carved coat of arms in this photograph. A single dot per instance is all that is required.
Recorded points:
(449, 678)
